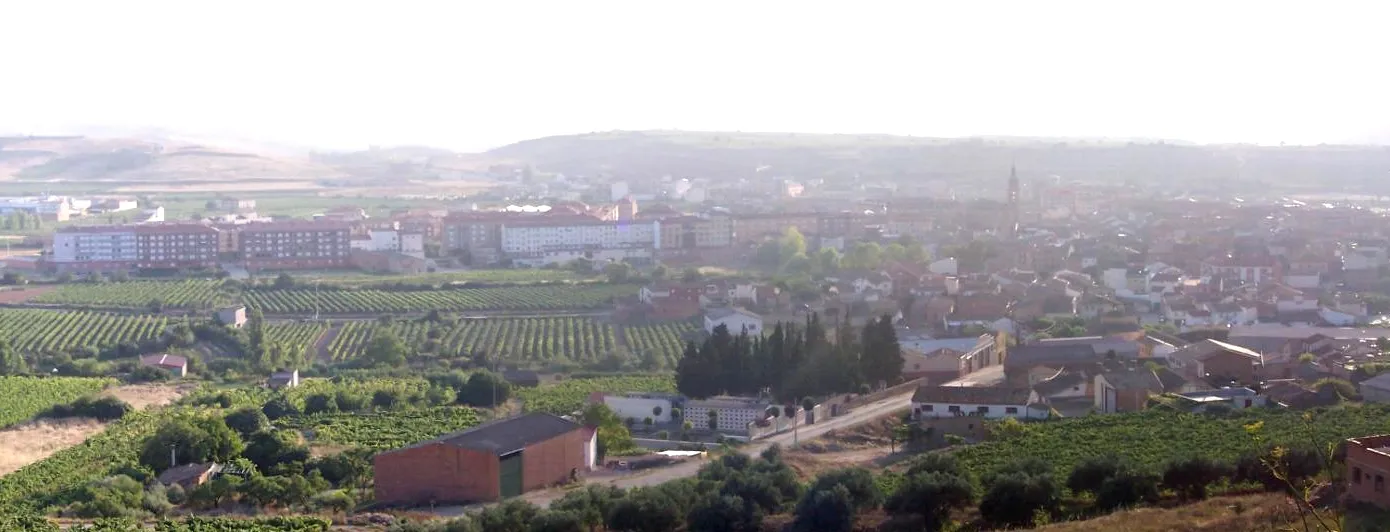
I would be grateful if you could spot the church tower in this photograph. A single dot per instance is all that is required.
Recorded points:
(1011, 210)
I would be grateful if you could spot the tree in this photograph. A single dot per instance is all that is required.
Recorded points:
(656, 412)
(691, 275)
(858, 482)
(931, 495)
(11, 362)
(1189, 477)
(247, 421)
(191, 440)
(1127, 487)
(1088, 475)
(556, 521)
(882, 360)
(283, 282)
(386, 349)
(279, 407)
(612, 434)
(512, 516)
(320, 403)
(486, 389)
(592, 504)
(255, 337)
(1013, 499)
(271, 450)
(618, 272)
(723, 514)
(645, 510)
(386, 399)
(831, 510)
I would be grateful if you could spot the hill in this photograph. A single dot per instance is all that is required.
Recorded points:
(732, 155)
(163, 163)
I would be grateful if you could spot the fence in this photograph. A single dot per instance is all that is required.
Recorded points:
(856, 401)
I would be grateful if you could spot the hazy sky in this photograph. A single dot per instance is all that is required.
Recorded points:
(480, 73)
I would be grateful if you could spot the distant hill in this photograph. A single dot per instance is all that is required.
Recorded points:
(729, 156)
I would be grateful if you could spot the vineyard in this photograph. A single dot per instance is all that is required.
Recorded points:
(191, 523)
(302, 335)
(383, 430)
(1153, 437)
(516, 298)
(178, 294)
(665, 339)
(553, 338)
(23, 397)
(568, 396)
(31, 330)
(52, 481)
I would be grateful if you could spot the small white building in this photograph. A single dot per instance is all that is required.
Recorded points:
(980, 401)
(234, 317)
(733, 414)
(737, 320)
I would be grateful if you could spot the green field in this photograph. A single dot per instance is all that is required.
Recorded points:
(665, 339)
(53, 480)
(33, 331)
(195, 294)
(21, 398)
(507, 276)
(383, 430)
(565, 397)
(1153, 437)
(512, 298)
(300, 336)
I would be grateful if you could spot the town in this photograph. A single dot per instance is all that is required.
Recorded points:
(624, 339)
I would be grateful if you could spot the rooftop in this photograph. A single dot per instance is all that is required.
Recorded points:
(972, 395)
(504, 436)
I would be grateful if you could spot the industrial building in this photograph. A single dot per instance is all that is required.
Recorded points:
(492, 461)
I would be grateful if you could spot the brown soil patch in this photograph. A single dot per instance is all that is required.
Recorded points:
(142, 396)
(23, 294)
(30, 442)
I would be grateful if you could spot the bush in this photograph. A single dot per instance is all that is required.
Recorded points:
(116, 496)
(831, 510)
(100, 408)
(335, 501)
(1126, 487)
(149, 374)
(931, 495)
(279, 407)
(320, 403)
(936, 463)
(350, 401)
(1013, 499)
(1088, 475)
(1190, 477)
(858, 483)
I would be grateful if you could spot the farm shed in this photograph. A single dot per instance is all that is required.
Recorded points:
(492, 461)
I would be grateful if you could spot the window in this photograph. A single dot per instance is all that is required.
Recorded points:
(1380, 483)
(983, 410)
(1355, 475)
(929, 408)
(1010, 410)
(953, 408)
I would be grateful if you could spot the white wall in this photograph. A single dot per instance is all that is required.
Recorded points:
(736, 324)
(638, 408)
(946, 266)
(995, 411)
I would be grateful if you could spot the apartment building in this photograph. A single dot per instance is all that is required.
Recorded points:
(294, 244)
(562, 238)
(752, 227)
(122, 247)
(694, 232)
(479, 234)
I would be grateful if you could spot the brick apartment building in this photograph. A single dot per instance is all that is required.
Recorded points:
(294, 245)
(1368, 468)
(488, 462)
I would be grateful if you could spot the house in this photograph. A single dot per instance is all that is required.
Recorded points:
(932, 401)
(736, 319)
(1238, 398)
(949, 359)
(189, 476)
(1125, 390)
(492, 461)
(639, 406)
(174, 364)
(283, 379)
(1368, 465)
(1214, 359)
(1376, 389)
(234, 317)
(732, 414)
(1029, 364)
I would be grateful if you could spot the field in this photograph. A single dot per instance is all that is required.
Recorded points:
(565, 397)
(301, 335)
(1154, 437)
(552, 338)
(512, 276)
(662, 338)
(23, 397)
(31, 330)
(176, 294)
(384, 430)
(518, 298)
(53, 480)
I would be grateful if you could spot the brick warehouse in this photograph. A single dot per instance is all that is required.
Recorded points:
(495, 460)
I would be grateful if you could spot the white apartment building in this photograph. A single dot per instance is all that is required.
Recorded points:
(95, 245)
(387, 240)
(541, 242)
(732, 414)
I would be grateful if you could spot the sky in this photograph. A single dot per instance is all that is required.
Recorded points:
(478, 74)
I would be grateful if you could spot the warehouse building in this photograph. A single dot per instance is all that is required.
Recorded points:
(492, 461)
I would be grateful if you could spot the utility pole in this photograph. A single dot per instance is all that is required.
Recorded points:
(173, 457)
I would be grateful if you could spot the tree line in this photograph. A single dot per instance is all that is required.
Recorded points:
(793, 361)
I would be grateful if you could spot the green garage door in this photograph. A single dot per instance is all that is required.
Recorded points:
(509, 474)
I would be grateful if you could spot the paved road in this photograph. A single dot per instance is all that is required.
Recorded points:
(653, 477)
(989, 376)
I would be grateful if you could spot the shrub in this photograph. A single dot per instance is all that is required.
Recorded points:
(1088, 475)
(320, 403)
(931, 495)
(1126, 487)
(1190, 477)
(247, 421)
(100, 408)
(1013, 499)
(831, 510)
(858, 483)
